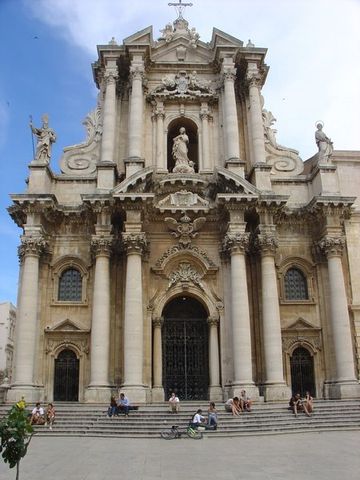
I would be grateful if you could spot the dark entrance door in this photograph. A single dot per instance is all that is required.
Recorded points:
(66, 378)
(302, 372)
(185, 349)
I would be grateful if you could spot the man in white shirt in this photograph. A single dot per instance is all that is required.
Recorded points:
(37, 415)
(197, 419)
(174, 403)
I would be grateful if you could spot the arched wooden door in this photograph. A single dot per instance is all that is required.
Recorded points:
(302, 372)
(66, 377)
(185, 349)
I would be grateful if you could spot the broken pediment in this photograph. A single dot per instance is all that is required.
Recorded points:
(142, 37)
(230, 182)
(139, 182)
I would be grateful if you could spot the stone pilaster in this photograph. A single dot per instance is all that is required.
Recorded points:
(275, 386)
(215, 390)
(345, 384)
(99, 387)
(231, 119)
(160, 151)
(204, 115)
(134, 245)
(134, 162)
(157, 387)
(27, 327)
(236, 244)
(109, 117)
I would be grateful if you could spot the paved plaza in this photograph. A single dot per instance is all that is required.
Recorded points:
(329, 455)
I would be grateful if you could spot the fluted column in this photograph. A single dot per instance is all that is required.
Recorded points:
(157, 388)
(275, 387)
(256, 121)
(136, 108)
(236, 245)
(160, 154)
(346, 384)
(109, 117)
(27, 319)
(100, 322)
(134, 244)
(231, 119)
(204, 115)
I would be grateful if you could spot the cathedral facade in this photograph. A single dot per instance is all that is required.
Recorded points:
(181, 248)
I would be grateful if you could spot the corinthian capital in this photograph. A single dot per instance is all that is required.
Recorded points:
(236, 242)
(158, 322)
(213, 321)
(267, 243)
(101, 245)
(34, 246)
(332, 246)
(110, 77)
(137, 72)
(229, 74)
(134, 242)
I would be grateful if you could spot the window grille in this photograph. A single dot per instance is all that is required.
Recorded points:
(70, 286)
(295, 285)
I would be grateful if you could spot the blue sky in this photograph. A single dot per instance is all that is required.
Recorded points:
(47, 47)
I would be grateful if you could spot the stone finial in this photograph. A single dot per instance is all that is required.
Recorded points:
(113, 41)
(250, 44)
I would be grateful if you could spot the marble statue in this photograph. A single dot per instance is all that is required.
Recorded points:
(167, 33)
(180, 153)
(324, 144)
(45, 138)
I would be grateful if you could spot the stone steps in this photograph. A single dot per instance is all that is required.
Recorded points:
(150, 420)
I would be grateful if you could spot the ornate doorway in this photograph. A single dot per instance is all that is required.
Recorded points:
(185, 349)
(302, 372)
(66, 378)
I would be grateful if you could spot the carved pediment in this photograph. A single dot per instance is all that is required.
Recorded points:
(183, 200)
(301, 324)
(139, 182)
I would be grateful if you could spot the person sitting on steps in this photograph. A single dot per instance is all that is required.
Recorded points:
(233, 405)
(197, 420)
(123, 404)
(174, 403)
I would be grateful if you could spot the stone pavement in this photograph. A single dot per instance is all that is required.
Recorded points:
(315, 456)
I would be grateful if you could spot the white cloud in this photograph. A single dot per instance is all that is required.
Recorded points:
(313, 51)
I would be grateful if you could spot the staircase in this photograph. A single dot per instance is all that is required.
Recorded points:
(74, 419)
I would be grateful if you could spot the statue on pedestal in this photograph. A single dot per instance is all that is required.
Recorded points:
(45, 138)
(324, 144)
(180, 153)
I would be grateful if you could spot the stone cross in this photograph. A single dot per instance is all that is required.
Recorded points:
(180, 7)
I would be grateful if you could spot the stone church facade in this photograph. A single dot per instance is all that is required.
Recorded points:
(235, 265)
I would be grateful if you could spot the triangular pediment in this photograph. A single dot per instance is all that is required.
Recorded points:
(65, 325)
(180, 50)
(301, 324)
(221, 39)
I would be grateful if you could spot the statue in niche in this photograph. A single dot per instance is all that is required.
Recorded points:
(180, 153)
(45, 138)
(324, 144)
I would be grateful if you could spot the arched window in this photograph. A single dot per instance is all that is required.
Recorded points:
(295, 285)
(70, 286)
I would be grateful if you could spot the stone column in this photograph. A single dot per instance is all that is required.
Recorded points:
(215, 391)
(231, 119)
(27, 320)
(134, 244)
(236, 244)
(275, 386)
(256, 120)
(136, 120)
(109, 117)
(345, 385)
(160, 154)
(99, 387)
(157, 389)
(204, 115)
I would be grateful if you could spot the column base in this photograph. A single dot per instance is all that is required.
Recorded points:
(251, 390)
(135, 393)
(342, 390)
(32, 394)
(277, 392)
(98, 394)
(157, 394)
(216, 393)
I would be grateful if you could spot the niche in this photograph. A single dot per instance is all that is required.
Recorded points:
(191, 132)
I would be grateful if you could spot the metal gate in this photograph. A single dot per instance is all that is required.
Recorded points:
(186, 358)
(66, 378)
(302, 372)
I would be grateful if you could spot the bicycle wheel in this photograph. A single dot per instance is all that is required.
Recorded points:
(168, 434)
(194, 434)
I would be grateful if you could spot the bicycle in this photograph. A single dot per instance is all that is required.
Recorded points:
(176, 432)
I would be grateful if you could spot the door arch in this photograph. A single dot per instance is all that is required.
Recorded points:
(185, 348)
(66, 377)
(302, 372)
